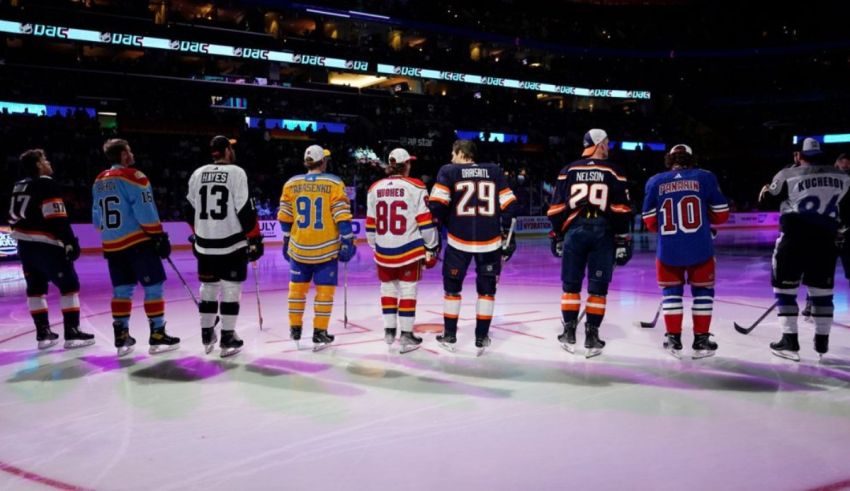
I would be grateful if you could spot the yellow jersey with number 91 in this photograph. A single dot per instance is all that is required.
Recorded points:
(314, 204)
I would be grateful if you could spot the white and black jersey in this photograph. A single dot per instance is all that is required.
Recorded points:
(810, 196)
(224, 214)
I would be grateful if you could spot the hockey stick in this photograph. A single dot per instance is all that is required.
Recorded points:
(747, 330)
(182, 280)
(651, 324)
(257, 291)
(345, 295)
(580, 317)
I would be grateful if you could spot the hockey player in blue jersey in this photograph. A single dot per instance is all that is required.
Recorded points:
(814, 206)
(590, 216)
(476, 206)
(681, 204)
(124, 212)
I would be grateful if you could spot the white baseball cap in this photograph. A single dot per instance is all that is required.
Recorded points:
(314, 153)
(681, 146)
(591, 139)
(811, 148)
(399, 155)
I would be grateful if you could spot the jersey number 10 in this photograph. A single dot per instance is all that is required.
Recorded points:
(685, 217)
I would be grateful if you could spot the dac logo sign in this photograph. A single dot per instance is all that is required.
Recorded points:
(189, 46)
(360, 66)
(125, 39)
(254, 54)
(407, 71)
(44, 30)
(309, 60)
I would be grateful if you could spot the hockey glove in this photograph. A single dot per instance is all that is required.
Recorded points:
(431, 256)
(161, 245)
(622, 249)
(556, 244)
(72, 249)
(508, 246)
(255, 248)
(286, 248)
(347, 250)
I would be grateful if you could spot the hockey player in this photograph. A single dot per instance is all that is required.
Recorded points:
(47, 248)
(814, 203)
(226, 237)
(475, 204)
(590, 214)
(315, 218)
(681, 205)
(134, 244)
(400, 231)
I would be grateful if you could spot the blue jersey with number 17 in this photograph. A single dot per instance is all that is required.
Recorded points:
(681, 205)
(123, 209)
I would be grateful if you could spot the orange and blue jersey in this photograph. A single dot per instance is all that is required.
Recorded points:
(592, 189)
(123, 208)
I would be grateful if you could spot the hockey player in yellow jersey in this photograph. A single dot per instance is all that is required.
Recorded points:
(315, 218)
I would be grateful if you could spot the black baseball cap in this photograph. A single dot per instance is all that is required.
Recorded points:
(219, 144)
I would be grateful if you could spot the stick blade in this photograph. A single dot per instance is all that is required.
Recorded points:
(743, 330)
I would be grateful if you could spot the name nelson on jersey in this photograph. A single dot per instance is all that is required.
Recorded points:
(590, 176)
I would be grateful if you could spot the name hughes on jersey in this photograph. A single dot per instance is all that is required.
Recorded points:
(677, 186)
(820, 182)
(475, 172)
(390, 193)
(220, 177)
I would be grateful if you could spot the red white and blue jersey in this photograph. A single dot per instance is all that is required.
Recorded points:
(590, 188)
(474, 202)
(123, 209)
(398, 222)
(681, 205)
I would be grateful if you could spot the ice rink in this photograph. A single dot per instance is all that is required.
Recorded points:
(525, 416)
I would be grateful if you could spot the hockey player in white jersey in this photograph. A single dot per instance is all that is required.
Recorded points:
(814, 205)
(401, 233)
(226, 237)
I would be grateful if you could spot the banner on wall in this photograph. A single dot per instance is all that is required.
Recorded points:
(750, 220)
(8, 245)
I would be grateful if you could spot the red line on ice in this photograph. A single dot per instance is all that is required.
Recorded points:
(32, 476)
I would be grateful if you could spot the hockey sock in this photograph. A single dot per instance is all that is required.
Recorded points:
(231, 292)
(702, 308)
(451, 312)
(595, 309)
(484, 314)
(155, 306)
(671, 305)
(38, 309)
(570, 305)
(122, 303)
(822, 309)
(323, 304)
(389, 303)
(787, 308)
(71, 309)
(407, 305)
(208, 307)
(297, 300)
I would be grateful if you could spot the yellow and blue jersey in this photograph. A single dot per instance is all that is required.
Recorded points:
(312, 209)
(123, 209)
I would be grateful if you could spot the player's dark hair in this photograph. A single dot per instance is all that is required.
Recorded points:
(29, 161)
(842, 156)
(395, 168)
(113, 149)
(465, 148)
(679, 158)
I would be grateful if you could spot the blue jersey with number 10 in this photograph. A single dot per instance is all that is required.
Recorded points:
(123, 209)
(681, 204)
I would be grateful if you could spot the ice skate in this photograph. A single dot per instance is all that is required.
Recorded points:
(123, 341)
(788, 347)
(703, 346)
(295, 335)
(568, 337)
(593, 345)
(208, 338)
(45, 337)
(447, 341)
(389, 336)
(230, 343)
(161, 342)
(321, 339)
(74, 338)
(481, 345)
(821, 345)
(409, 342)
(673, 344)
